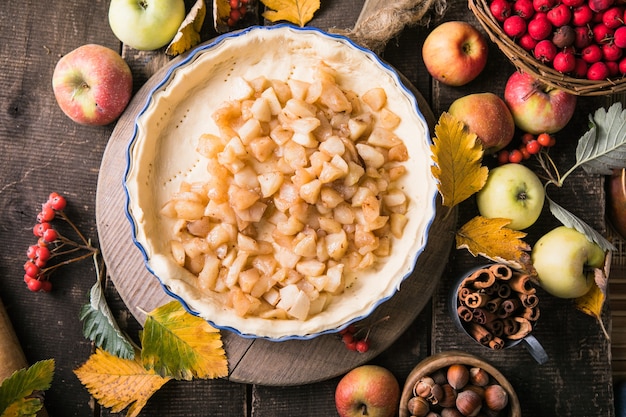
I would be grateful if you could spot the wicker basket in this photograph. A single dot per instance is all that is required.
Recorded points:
(527, 63)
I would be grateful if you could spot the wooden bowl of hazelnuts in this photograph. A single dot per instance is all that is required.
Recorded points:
(457, 384)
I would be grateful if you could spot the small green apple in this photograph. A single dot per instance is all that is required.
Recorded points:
(563, 259)
(513, 192)
(368, 390)
(146, 24)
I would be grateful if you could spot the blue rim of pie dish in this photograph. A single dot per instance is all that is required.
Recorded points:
(189, 58)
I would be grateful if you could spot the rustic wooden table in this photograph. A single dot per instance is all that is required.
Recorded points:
(42, 151)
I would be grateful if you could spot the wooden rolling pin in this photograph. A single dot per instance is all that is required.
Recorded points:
(12, 356)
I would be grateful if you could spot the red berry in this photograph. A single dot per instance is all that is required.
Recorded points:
(351, 345)
(543, 5)
(527, 42)
(622, 66)
(573, 3)
(503, 157)
(613, 67)
(234, 4)
(580, 71)
(500, 9)
(524, 8)
(514, 26)
(43, 253)
(57, 201)
(533, 147)
(46, 214)
(601, 33)
(31, 269)
(40, 228)
(600, 5)
(46, 286)
(362, 346)
(598, 71)
(527, 137)
(347, 338)
(559, 15)
(515, 156)
(581, 15)
(31, 253)
(619, 37)
(564, 61)
(545, 51)
(591, 54)
(540, 27)
(613, 17)
(544, 139)
(583, 37)
(34, 285)
(611, 52)
(50, 235)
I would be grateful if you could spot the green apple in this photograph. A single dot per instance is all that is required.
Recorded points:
(563, 259)
(368, 390)
(513, 192)
(146, 24)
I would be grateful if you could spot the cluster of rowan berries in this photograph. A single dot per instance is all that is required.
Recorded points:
(530, 145)
(51, 244)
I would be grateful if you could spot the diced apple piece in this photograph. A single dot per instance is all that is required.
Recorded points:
(209, 145)
(247, 279)
(305, 244)
(261, 109)
(295, 109)
(241, 198)
(310, 191)
(398, 221)
(370, 155)
(210, 271)
(311, 267)
(398, 153)
(336, 244)
(335, 281)
(301, 306)
(388, 119)
(383, 137)
(298, 88)
(270, 183)
(241, 89)
(333, 145)
(272, 296)
(318, 305)
(178, 252)
(334, 98)
(288, 295)
(286, 258)
(375, 98)
(251, 129)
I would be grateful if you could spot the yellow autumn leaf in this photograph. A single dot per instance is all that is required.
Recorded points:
(118, 383)
(457, 154)
(298, 12)
(491, 239)
(181, 345)
(592, 302)
(188, 34)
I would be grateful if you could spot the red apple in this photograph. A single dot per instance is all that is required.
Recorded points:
(536, 106)
(455, 53)
(92, 84)
(368, 390)
(616, 200)
(488, 116)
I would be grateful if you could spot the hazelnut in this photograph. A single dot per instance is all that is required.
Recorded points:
(478, 390)
(423, 387)
(496, 397)
(439, 376)
(433, 414)
(478, 376)
(468, 403)
(449, 396)
(436, 394)
(458, 376)
(450, 412)
(418, 406)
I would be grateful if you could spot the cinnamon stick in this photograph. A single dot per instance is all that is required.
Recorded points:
(495, 327)
(531, 313)
(525, 327)
(480, 333)
(476, 299)
(496, 343)
(529, 300)
(482, 278)
(482, 316)
(493, 304)
(522, 284)
(501, 271)
(508, 307)
(465, 313)
(504, 290)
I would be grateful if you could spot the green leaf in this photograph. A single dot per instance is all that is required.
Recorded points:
(24, 382)
(603, 147)
(100, 327)
(178, 344)
(570, 220)
(25, 407)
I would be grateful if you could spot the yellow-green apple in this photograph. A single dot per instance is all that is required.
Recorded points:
(536, 106)
(146, 24)
(486, 115)
(92, 84)
(455, 53)
(368, 390)
(564, 260)
(616, 200)
(513, 192)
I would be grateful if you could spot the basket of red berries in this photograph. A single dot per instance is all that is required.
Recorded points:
(575, 45)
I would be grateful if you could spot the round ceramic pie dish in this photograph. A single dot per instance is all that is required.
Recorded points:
(271, 75)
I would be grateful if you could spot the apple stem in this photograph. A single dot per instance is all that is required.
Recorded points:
(364, 410)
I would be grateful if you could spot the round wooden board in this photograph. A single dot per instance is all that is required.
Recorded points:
(256, 361)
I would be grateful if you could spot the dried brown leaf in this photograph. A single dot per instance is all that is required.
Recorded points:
(188, 34)
(457, 154)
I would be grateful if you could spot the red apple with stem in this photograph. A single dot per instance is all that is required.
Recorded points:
(455, 53)
(92, 84)
(536, 106)
(368, 390)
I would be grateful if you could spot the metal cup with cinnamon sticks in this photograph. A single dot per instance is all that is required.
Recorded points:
(498, 308)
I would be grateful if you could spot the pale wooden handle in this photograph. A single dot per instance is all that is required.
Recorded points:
(12, 356)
